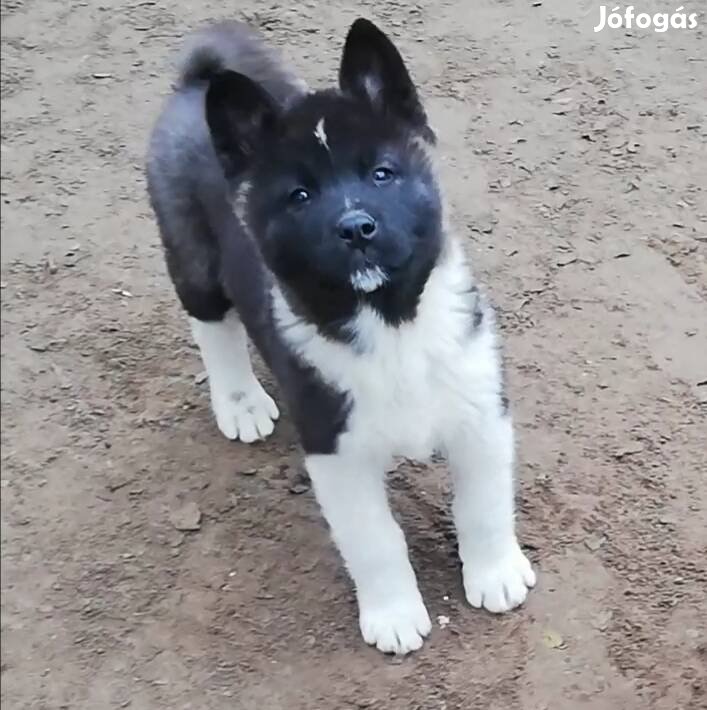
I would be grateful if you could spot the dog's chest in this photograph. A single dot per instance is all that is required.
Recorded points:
(401, 391)
(406, 386)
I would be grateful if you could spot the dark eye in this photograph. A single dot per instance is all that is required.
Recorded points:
(382, 175)
(299, 196)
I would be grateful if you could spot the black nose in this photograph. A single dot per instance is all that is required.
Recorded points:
(357, 228)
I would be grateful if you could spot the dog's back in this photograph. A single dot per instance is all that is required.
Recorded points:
(189, 193)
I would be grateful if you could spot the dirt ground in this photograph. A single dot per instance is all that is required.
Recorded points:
(576, 166)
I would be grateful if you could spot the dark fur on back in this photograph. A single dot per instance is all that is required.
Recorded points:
(357, 153)
(188, 190)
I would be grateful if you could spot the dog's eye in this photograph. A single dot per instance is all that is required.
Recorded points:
(299, 196)
(382, 175)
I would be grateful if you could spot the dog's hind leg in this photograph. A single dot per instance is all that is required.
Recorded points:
(243, 409)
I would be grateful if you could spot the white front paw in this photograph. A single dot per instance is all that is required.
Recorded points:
(396, 625)
(246, 415)
(498, 584)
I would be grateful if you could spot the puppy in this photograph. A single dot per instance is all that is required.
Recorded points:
(343, 275)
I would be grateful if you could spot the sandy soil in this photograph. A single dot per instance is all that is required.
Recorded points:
(576, 164)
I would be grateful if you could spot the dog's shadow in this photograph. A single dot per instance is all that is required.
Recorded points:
(425, 517)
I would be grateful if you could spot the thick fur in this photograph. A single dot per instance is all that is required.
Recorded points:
(188, 190)
(361, 302)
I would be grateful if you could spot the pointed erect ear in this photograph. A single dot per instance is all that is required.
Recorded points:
(372, 69)
(240, 114)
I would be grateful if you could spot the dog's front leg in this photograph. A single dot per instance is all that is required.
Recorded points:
(351, 492)
(496, 572)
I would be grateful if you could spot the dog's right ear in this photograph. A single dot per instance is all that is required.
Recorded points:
(240, 114)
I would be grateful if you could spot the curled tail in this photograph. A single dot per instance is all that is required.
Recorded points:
(200, 60)
(234, 46)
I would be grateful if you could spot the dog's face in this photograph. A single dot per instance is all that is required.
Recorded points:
(343, 196)
(342, 191)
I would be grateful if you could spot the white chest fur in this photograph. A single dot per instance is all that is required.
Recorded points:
(409, 386)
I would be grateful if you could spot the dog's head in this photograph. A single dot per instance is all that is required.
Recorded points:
(342, 191)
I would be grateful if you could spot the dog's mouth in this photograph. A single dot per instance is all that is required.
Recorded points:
(366, 275)
(369, 272)
(368, 278)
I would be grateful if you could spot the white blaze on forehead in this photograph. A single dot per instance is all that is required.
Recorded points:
(368, 280)
(320, 133)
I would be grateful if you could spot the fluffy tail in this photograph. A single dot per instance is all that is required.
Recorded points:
(233, 46)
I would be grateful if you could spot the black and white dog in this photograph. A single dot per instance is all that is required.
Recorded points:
(345, 277)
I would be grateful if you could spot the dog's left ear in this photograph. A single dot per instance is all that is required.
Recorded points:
(240, 115)
(372, 69)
